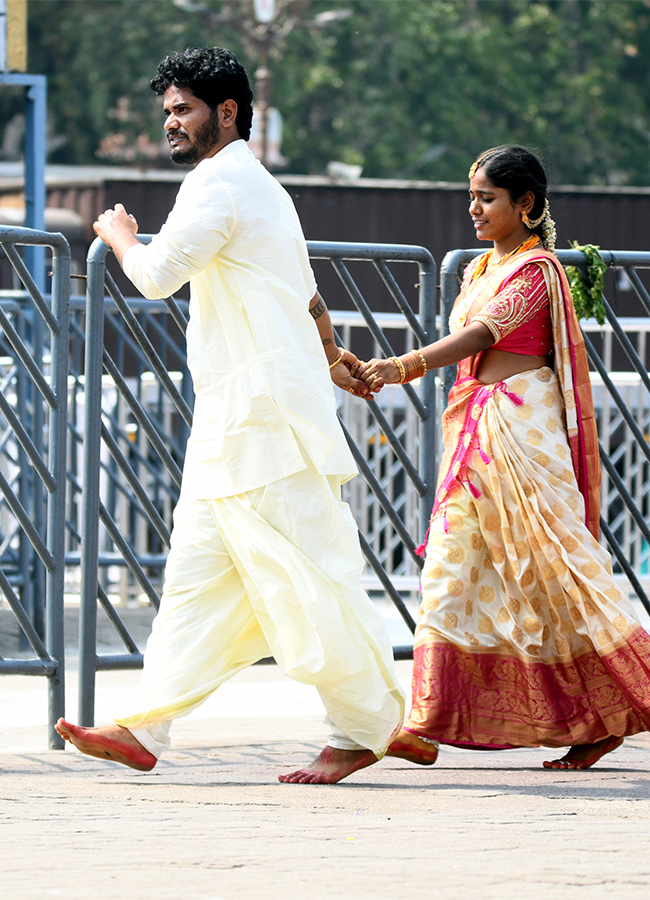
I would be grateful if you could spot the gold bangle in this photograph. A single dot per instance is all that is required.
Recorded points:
(425, 367)
(414, 366)
(338, 358)
(400, 368)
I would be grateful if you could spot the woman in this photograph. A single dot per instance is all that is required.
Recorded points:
(523, 640)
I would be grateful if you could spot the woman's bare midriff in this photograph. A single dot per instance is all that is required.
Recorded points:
(496, 365)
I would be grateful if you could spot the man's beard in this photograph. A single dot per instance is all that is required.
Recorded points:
(204, 140)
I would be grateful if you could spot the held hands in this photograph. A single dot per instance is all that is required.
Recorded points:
(378, 372)
(345, 374)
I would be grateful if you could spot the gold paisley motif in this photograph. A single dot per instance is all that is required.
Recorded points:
(498, 555)
(486, 594)
(476, 541)
(570, 544)
(559, 566)
(451, 620)
(456, 555)
(620, 624)
(455, 522)
(561, 645)
(527, 578)
(524, 412)
(531, 624)
(604, 637)
(485, 625)
(455, 587)
(521, 549)
(430, 602)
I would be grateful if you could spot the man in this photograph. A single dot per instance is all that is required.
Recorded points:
(264, 557)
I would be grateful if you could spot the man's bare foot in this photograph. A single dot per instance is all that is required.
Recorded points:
(583, 756)
(111, 742)
(411, 747)
(330, 766)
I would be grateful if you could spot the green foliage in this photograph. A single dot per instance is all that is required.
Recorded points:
(587, 289)
(407, 89)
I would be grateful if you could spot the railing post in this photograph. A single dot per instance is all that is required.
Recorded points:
(90, 480)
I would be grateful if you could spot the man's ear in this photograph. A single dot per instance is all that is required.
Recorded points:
(228, 114)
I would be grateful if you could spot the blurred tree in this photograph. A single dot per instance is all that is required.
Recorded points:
(403, 88)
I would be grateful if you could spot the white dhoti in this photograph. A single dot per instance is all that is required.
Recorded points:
(272, 572)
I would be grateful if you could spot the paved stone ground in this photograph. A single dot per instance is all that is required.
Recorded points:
(212, 823)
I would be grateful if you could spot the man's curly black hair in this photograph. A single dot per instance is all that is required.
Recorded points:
(213, 75)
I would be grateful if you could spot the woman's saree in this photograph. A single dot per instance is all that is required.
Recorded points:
(524, 638)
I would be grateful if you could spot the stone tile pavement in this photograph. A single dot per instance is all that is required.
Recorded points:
(211, 822)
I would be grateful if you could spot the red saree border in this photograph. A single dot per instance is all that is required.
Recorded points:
(495, 699)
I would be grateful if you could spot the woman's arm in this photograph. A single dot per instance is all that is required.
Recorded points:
(451, 349)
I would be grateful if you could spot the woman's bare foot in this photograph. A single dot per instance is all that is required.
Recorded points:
(111, 742)
(411, 747)
(583, 756)
(330, 766)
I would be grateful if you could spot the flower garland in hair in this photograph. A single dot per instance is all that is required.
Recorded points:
(549, 232)
(588, 292)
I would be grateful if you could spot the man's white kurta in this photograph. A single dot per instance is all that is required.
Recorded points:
(260, 375)
(265, 557)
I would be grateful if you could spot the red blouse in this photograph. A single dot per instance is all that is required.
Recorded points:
(519, 317)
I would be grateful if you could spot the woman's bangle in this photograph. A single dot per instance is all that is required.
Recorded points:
(412, 365)
(425, 367)
(400, 369)
(338, 358)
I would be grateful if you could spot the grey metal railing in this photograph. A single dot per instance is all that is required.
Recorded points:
(398, 521)
(33, 421)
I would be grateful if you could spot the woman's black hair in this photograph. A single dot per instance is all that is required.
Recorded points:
(213, 75)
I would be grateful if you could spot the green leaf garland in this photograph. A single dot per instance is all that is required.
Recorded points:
(588, 292)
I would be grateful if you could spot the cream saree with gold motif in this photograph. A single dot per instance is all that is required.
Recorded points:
(524, 638)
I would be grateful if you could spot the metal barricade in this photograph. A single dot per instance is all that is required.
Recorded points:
(33, 419)
(396, 520)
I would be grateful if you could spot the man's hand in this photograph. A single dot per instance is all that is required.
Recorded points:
(118, 229)
(342, 377)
